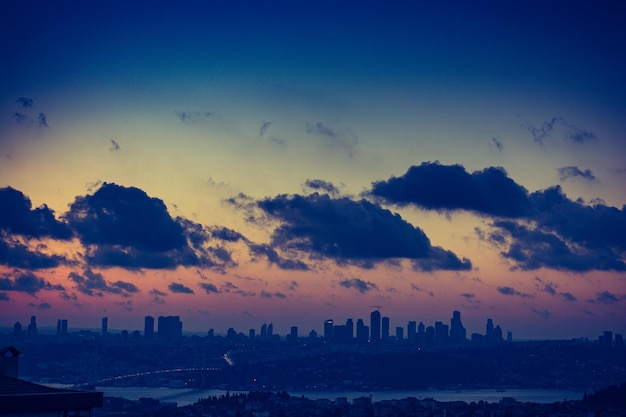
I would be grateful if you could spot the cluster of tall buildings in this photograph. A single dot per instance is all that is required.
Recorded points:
(379, 330)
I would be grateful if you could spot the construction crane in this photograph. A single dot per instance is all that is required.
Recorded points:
(377, 307)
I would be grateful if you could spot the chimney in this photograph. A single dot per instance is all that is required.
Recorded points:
(9, 363)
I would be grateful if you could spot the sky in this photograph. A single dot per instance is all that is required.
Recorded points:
(290, 162)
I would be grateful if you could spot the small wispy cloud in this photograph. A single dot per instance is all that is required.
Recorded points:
(573, 171)
(114, 146)
(358, 284)
(25, 101)
(176, 287)
(513, 291)
(264, 127)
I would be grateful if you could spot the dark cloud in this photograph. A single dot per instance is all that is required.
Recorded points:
(543, 229)
(19, 117)
(497, 144)
(114, 146)
(158, 300)
(540, 134)
(274, 258)
(25, 101)
(572, 171)
(209, 288)
(550, 288)
(570, 132)
(16, 255)
(93, 284)
(123, 226)
(468, 295)
(513, 291)
(450, 187)
(26, 282)
(154, 291)
(226, 234)
(229, 287)
(4, 297)
(359, 285)
(606, 297)
(345, 230)
(18, 217)
(189, 116)
(322, 185)
(543, 313)
(40, 306)
(264, 127)
(266, 294)
(42, 120)
(176, 287)
(337, 139)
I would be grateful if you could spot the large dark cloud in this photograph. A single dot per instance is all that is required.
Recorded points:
(26, 282)
(450, 187)
(542, 229)
(18, 217)
(344, 230)
(123, 226)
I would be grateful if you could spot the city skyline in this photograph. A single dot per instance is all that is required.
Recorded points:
(290, 163)
(438, 333)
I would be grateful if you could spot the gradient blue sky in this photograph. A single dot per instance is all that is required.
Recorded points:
(234, 115)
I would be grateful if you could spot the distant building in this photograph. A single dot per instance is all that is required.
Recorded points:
(606, 339)
(411, 331)
(170, 328)
(148, 327)
(105, 326)
(362, 331)
(458, 334)
(328, 329)
(384, 329)
(31, 332)
(375, 326)
(399, 332)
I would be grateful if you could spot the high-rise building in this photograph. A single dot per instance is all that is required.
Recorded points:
(293, 334)
(148, 327)
(328, 329)
(169, 328)
(458, 334)
(105, 326)
(264, 331)
(349, 329)
(64, 327)
(362, 331)
(375, 326)
(411, 331)
(251, 334)
(399, 332)
(385, 328)
(31, 331)
(270, 330)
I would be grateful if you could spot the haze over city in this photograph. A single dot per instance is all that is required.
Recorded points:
(243, 164)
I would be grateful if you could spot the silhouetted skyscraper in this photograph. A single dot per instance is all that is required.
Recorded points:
(105, 326)
(385, 328)
(350, 329)
(411, 331)
(399, 333)
(458, 334)
(375, 326)
(362, 331)
(264, 331)
(169, 328)
(31, 332)
(293, 334)
(148, 327)
(328, 329)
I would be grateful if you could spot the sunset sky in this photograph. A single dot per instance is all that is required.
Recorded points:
(281, 162)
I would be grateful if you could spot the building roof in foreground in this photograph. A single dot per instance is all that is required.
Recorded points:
(19, 396)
